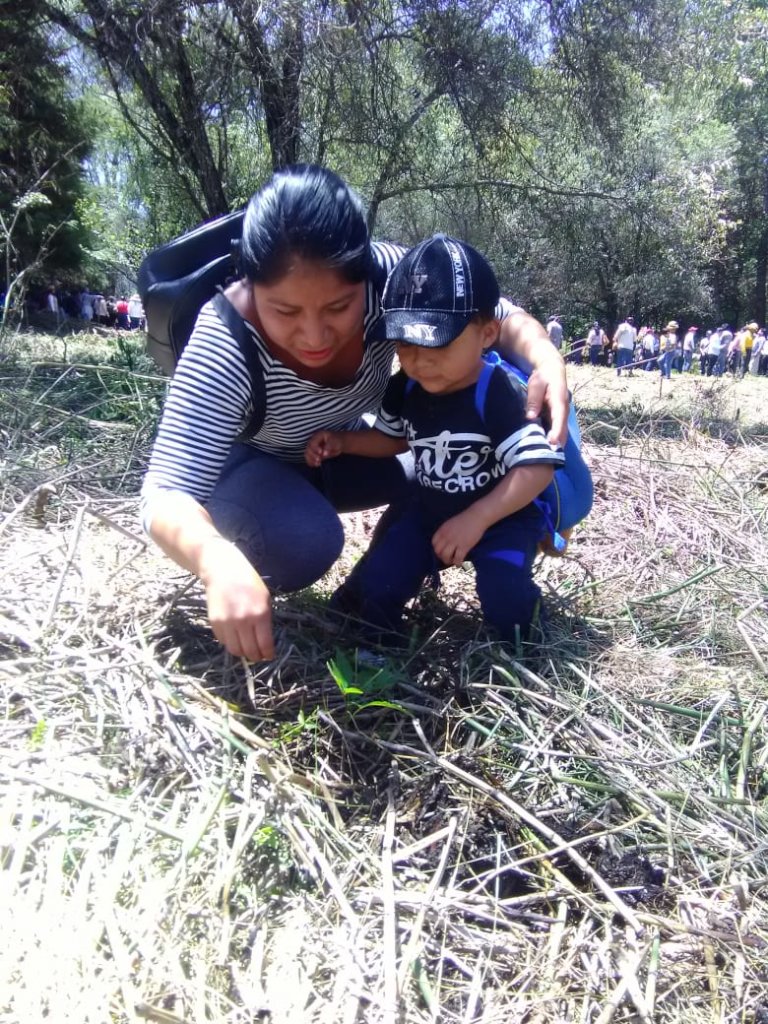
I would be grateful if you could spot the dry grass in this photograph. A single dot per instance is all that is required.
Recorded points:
(573, 833)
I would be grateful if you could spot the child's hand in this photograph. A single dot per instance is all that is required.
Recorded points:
(457, 536)
(325, 444)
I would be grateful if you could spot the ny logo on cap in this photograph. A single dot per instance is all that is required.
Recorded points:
(419, 332)
(417, 282)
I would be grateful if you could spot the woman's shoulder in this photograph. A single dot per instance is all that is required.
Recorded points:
(212, 347)
(387, 254)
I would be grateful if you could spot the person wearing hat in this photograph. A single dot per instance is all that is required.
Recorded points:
(596, 340)
(234, 502)
(747, 343)
(689, 345)
(135, 312)
(667, 347)
(480, 464)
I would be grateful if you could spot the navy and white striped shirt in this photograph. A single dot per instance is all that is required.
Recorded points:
(462, 451)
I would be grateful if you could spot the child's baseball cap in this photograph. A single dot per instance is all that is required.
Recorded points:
(434, 292)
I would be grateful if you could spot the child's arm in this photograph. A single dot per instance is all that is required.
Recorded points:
(459, 534)
(328, 444)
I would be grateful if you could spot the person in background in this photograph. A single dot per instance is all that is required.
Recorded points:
(677, 358)
(100, 310)
(121, 309)
(595, 340)
(624, 339)
(689, 345)
(70, 303)
(762, 343)
(86, 305)
(703, 351)
(54, 305)
(667, 348)
(648, 347)
(713, 353)
(747, 344)
(555, 331)
(757, 348)
(733, 357)
(726, 337)
(135, 312)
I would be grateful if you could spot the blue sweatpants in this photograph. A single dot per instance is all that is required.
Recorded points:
(283, 516)
(393, 571)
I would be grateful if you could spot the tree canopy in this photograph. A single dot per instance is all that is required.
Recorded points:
(609, 157)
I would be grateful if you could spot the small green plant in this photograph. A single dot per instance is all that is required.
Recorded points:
(364, 683)
(289, 731)
(126, 351)
(38, 734)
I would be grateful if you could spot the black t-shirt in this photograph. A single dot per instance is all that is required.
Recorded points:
(462, 452)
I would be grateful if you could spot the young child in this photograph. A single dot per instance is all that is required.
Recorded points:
(479, 462)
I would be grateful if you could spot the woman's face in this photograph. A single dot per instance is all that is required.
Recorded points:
(312, 313)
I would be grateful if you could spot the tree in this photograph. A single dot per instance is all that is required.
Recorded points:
(744, 104)
(42, 144)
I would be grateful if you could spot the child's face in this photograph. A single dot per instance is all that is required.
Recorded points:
(453, 367)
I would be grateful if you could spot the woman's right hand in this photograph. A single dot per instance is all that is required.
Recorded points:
(239, 604)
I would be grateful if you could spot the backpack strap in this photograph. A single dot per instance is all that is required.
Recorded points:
(481, 387)
(551, 515)
(235, 324)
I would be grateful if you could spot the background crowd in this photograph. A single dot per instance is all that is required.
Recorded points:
(714, 352)
(118, 312)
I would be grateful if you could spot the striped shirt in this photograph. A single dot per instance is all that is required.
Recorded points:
(461, 451)
(209, 400)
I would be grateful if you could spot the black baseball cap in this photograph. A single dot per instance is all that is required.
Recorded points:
(434, 292)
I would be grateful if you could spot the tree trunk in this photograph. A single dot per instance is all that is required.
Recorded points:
(120, 44)
(278, 86)
(761, 276)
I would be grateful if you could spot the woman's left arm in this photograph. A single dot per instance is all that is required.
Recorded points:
(523, 340)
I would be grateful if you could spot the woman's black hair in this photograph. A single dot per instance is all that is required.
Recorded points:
(308, 212)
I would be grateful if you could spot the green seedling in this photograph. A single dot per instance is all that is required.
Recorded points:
(363, 684)
(290, 731)
(37, 736)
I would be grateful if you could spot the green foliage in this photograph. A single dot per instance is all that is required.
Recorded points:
(363, 683)
(42, 144)
(581, 145)
(304, 725)
(38, 734)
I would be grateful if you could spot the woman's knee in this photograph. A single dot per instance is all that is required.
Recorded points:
(284, 526)
(289, 550)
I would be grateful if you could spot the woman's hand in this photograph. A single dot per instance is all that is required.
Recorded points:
(239, 604)
(325, 444)
(548, 398)
(523, 340)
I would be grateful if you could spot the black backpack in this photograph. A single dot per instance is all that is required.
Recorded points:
(177, 279)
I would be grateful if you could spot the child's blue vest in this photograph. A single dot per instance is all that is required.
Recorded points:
(568, 498)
